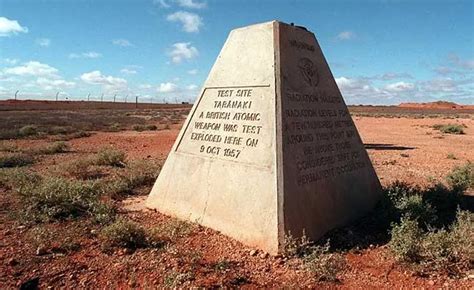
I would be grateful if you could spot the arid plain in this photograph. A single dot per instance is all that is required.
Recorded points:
(115, 153)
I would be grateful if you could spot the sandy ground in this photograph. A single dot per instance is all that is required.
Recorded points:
(411, 150)
(400, 149)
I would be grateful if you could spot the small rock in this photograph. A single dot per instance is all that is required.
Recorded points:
(40, 251)
(263, 255)
(431, 282)
(253, 252)
(93, 232)
(12, 262)
(470, 276)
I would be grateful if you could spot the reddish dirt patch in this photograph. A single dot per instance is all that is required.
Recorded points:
(400, 148)
(437, 105)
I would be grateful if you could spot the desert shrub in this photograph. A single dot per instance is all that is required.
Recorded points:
(222, 265)
(462, 233)
(57, 241)
(103, 213)
(28, 130)
(8, 147)
(79, 134)
(415, 208)
(83, 169)
(449, 128)
(173, 279)
(139, 128)
(405, 242)
(431, 208)
(60, 130)
(9, 134)
(462, 177)
(444, 202)
(435, 250)
(54, 198)
(151, 127)
(115, 127)
(15, 160)
(18, 178)
(173, 229)
(73, 135)
(137, 174)
(142, 172)
(124, 233)
(110, 157)
(297, 247)
(408, 201)
(56, 147)
(324, 264)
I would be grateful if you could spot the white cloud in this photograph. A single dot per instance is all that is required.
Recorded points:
(181, 51)
(122, 42)
(454, 65)
(32, 68)
(346, 35)
(162, 3)
(11, 61)
(455, 60)
(9, 27)
(392, 76)
(89, 54)
(145, 86)
(128, 71)
(400, 87)
(369, 90)
(191, 22)
(191, 4)
(352, 84)
(191, 87)
(108, 82)
(440, 85)
(49, 84)
(167, 87)
(193, 71)
(44, 42)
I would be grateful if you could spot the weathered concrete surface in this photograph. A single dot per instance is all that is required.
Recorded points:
(235, 195)
(327, 177)
(269, 147)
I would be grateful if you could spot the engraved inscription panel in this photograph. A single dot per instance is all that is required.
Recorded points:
(319, 131)
(232, 123)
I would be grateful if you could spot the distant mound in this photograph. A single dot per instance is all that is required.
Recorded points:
(435, 105)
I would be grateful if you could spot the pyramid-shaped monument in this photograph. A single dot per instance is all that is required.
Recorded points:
(269, 147)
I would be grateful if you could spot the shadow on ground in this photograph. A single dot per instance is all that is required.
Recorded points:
(375, 146)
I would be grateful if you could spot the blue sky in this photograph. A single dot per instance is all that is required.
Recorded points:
(381, 52)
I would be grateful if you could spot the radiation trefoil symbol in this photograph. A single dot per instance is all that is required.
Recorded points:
(308, 71)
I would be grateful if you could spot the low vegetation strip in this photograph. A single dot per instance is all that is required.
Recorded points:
(428, 229)
(15, 160)
(450, 128)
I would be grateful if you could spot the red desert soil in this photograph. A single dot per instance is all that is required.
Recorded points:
(437, 105)
(400, 148)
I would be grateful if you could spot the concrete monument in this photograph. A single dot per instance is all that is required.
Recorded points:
(269, 146)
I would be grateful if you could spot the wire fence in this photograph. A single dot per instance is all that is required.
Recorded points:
(101, 97)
